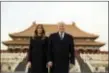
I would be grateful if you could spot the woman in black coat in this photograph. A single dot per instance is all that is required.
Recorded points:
(37, 51)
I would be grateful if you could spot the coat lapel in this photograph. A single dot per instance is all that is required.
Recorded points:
(58, 35)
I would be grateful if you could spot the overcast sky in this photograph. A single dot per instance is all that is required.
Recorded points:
(91, 17)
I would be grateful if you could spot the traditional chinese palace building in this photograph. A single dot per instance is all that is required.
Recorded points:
(89, 59)
(83, 41)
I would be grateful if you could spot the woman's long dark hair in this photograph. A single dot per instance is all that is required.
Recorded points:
(36, 31)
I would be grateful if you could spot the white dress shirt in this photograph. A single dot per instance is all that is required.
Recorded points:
(61, 34)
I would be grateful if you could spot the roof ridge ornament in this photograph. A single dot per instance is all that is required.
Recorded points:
(73, 23)
(34, 22)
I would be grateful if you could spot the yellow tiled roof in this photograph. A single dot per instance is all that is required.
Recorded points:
(50, 28)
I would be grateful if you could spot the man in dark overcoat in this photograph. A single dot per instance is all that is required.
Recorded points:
(60, 50)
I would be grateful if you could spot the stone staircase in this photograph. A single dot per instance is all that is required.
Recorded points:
(83, 66)
(22, 65)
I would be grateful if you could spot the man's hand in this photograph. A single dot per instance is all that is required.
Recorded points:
(49, 64)
(29, 64)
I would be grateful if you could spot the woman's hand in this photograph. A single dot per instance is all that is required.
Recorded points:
(29, 64)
